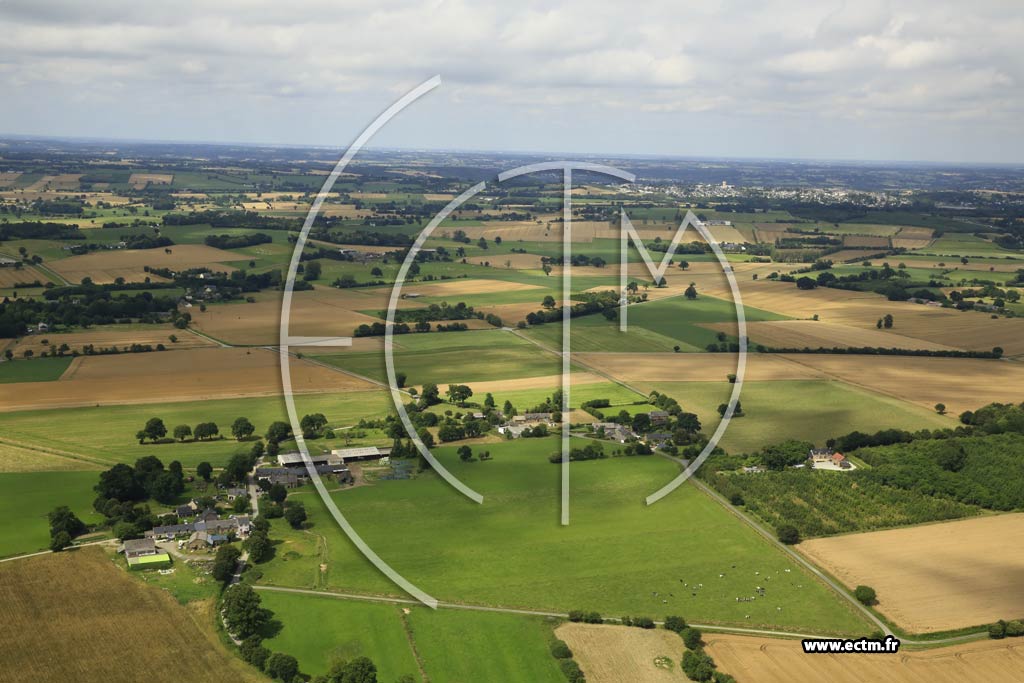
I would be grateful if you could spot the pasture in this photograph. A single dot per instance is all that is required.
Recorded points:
(935, 577)
(35, 370)
(101, 625)
(199, 374)
(769, 660)
(27, 497)
(511, 551)
(611, 654)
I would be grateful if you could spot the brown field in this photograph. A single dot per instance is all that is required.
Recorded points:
(913, 238)
(11, 277)
(961, 383)
(768, 660)
(445, 197)
(167, 377)
(935, 577)
(17, 459)
(464, 286)
(851, 255)
(695, 367)
(810, 333)
(771, 232)
(112, 336)
(6, 178)
(104, 266)
(140, 180)
(868, 241)
(76, 616)
(515, 261)
(526, 383)
(612, 654)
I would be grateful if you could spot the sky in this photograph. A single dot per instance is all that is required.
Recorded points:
(921, 80)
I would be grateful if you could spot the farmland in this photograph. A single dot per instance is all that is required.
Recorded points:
(104, 267)
(27, 497)
(94, 610)
(609, 654)
(535, 563)
(781, 661)
(936, 577)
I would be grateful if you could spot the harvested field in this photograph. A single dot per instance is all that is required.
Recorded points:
(140, 180)
(768, 660)
(104, 266)
(913, 238)
(544, 382)
(164, 377)
(768, 234)
(102, 625)
(112, 336)
(515, 261)
(936, 577)
(465, 286)
(7, 178)
(865, 241)
(960, 383)
(812, 333)
(13, 277)
(851, 255)
(611, 654)
(694, 367)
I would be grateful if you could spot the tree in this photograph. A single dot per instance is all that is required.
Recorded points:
(358, 670)
(182, 432)
(940, 408)
(253, 652)
(788, 534)
(465, 453)
(426, 437)
(281, 667)
(240, 504)
(690, 293)
(242, 428)
(312, 425)
(295, 515)
(865, 595)
(259, 546)
(119, 483)
(59, 541)
(206, 430)
(63, 520)
(887, 321)
(400, 378)
(697, 665)
(691, 638)
(458, 393)
(204, 470)
(154, 429)
(806, 283)
(277, 493)
(549, 302)
(997, 630)
(224, 563)
(278, 432)
(431, 396)
(674, 623)
(312, 271)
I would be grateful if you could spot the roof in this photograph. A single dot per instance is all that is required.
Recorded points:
(172, 529)
(658, 413)
(159, 558)
(139, 545)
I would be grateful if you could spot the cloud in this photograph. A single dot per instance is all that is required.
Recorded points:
(778, 63)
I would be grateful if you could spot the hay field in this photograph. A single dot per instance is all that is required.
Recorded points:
(8, 177)
(611, 654)
(76, 616)
(813, 333)
(693, 367)
(913, 238)
(465, 286)
(961, 383)
(11, 277)
(865, 241)
(165, 377)
(850, 255)
(18, 459)
(768, 660)
(104, 266)
(139, 181)
(112, 336)
(935, 577)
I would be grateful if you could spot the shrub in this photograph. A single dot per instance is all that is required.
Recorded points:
(997, 630)
(643, 622)
(691, 638)
(698, 666)
(571, 671)
(865, 595)
(559, 650)
(788, 534)
(673, 623)
(1014, 628)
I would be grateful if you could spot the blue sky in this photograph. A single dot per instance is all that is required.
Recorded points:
(917, 80)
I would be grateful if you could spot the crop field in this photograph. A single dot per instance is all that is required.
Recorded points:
(780, 410)
(936, 577)
(782, 661)
(94, 611)
(13, 277)
(26, 498)
(106, 434)
(108, 336)
(798, 334)
(105, 266)
(163, 377)
(672, 367)
(37, 370)
(865, 242)
(140, 180)
(533, 562)
(611, 654)
(963, 244)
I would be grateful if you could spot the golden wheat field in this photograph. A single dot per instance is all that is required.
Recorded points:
(767, 660)
(112, 336)
(76, 616)
(612, 654)
(104, 266)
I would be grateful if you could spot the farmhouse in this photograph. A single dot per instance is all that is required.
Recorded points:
(614, 431)
(239, 525)
(290, 477)
(534, 417)
(657, 438)
(658, 417)
(820, 454)
(143, 552)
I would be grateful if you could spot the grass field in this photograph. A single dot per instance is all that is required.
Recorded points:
(511, 551)
(934, 577)
(35, 370)
(812, 410)
(107, 433)
(610, 654)
(101, 625)
(27, 497)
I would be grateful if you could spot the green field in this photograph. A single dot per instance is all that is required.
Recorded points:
(107, 433)
(963, 244)
(27, 497)
(511, 551)
(812, 410)
(36, 370)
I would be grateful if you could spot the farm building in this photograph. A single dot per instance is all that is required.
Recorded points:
(238, 525)
(290, 477)
(657, 438)
(534, 417)
(614, 431)
(7, 261)
(343, 455)
(820, 454)
(658, 417)
(142, 553)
